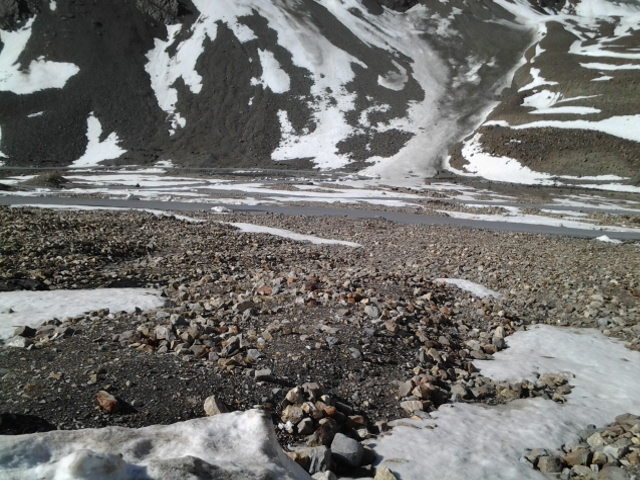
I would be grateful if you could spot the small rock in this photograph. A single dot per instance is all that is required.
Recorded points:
(293, 414)
(584, 472)
(25, 331)
(295, 395)
(347, 450)
(549, 464)
(372, 311)
(305, 426)
(316, 459)
(411, 406)
(108, 402)
(383, 473)
(578, 456)
(18, 342)
(405, 388)
(262, 374)
(214, 406)
(595, 440)
(613, 473)
(328, 475)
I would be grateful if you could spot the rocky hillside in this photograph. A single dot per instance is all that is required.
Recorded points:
(387, 86)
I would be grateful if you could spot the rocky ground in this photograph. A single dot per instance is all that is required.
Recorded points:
(328, 339)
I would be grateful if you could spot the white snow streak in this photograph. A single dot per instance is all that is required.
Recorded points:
(298, 237)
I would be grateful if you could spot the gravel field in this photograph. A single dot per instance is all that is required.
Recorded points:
(326, 338)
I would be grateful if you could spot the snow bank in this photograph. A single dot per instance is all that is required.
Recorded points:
(33, 308)
(279, 232)
(98, 150)
(474, 288)
(232, 445)
(40, 74)
(477, 441)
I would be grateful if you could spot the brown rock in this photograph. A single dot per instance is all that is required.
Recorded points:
(107, 402)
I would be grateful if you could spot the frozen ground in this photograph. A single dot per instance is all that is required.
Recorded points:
(475, 441)
(33, 308)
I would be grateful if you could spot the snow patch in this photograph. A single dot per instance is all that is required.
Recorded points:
(605, 379)
(610, 66)
(273, 77)
(41, 74)
(622, 126)
(98, 150)
(298, 237)
(231, 445)
(33, 308)
(468, 286)
(607, 239)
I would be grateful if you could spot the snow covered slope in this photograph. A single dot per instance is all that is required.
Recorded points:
(573, 109)
(336, 84)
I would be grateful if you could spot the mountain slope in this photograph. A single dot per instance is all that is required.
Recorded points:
(343, 84)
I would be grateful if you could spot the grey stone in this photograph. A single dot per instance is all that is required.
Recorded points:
(319, 458)
(18, 342)
(372, 311)
(347, 450)
(595, 440)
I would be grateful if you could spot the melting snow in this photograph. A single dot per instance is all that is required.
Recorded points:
(98, 150)
(478, 441)
(33, 308)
